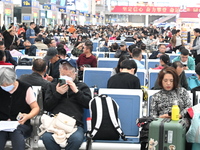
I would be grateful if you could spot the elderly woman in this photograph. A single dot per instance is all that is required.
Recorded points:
(162, 101)
(16, 97)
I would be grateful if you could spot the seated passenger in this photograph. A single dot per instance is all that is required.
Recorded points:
(30, 49)
(16, 97)
(122, 51)
(126, 79)
(178, 66)
(117, 69)
(137, 57)
(87, 59)
(3, 58)
(156, 54)
(164, 61)
(186, 60)
(162, 101)
(69, 99)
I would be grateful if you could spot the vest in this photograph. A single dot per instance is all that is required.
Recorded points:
(12, 104)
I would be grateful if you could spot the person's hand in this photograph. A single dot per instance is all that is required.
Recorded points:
(81, 68)
(72, 86)
(24, 118)
(190, 48)
(185, 68)
(62, 89)
(159, 55)
(164, 116)
(49, 78)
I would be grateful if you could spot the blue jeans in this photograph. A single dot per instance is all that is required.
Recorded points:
(17, 137)
(74, 141)
(103, 49)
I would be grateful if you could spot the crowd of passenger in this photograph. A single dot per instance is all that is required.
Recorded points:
(58, 42)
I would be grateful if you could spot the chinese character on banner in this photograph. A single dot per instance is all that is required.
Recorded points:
(135, 9)
(164, 9)
(148, 9)
(195, 9)
(130, 9)
(124, 8)
(140, 9)
(188, 9)
(171, 10)
(159, 9)
(176, 10)
(153, 9)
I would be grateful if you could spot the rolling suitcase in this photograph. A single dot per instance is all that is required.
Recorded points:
(166, 134)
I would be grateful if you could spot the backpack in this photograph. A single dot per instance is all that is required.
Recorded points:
(25, 61)
(105, 124)
(193, 82)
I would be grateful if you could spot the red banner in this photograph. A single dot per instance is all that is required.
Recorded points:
(189, 15)
(152, 9)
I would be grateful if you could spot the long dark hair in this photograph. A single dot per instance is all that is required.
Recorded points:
(123, 57)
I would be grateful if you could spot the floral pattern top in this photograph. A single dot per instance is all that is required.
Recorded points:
(162, 101)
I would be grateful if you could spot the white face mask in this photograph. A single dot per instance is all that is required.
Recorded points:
(8, 88)
(67, 78)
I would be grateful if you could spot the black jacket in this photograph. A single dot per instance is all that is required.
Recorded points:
(34, 79)
(53, 69)
(69, 103)
(9, 39)
(31, 51)
(154, 55)
(9, 58)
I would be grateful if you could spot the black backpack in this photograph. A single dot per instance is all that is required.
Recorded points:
(25, 61)
(105, 124)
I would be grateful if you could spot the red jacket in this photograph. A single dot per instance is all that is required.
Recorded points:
(4, 63)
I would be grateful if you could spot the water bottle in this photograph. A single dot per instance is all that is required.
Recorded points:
(175, 111)
(96, 91)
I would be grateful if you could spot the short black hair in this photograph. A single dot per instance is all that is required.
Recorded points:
(32, 23)
(184, 52)
(177, 64)
(197, 69)
(131, 47)
(197, 30)
(39, 65)
(1, 43)
(2, 54)
(161, 45)
(115, 46)
(177, 31)
(136, 52)
(143, 46)
(165, 58)
(89, 45)
(128, 64)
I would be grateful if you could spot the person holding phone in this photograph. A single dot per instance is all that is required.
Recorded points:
(67, 96)
(187, 61)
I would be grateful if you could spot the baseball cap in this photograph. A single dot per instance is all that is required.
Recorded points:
(51, 53)
(123, 43)
(70, 61)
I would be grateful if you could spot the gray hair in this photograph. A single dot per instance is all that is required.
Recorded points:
(7, 75)
(67, 66)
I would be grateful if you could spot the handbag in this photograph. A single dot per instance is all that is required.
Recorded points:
(60, 121)
(64, 122)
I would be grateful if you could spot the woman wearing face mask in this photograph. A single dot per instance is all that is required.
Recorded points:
(16, 97)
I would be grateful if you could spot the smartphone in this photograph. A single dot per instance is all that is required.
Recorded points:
(62, 81)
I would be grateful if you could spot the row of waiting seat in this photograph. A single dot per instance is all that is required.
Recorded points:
(100, 76)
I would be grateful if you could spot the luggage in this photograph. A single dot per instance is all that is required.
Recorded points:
(166, 134)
